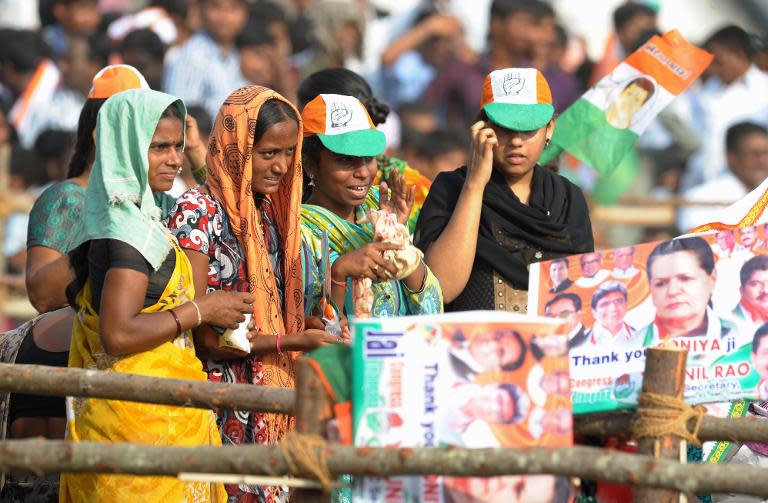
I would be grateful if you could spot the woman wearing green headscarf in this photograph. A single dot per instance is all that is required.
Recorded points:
(135, 300)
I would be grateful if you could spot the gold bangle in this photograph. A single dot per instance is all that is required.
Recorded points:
(199, 316)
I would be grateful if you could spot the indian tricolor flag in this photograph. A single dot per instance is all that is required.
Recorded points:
(601, 128)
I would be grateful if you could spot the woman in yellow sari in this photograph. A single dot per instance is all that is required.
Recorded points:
(135, 300)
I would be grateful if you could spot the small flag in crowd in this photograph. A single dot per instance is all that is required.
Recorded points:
(601, 128)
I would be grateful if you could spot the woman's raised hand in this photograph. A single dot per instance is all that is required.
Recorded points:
(481, 161)
(195, 147)
(395, 196)
(225, 309)
(365, 262)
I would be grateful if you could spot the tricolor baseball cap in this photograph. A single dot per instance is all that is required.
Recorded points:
(518, 99)
(343, 126)
(115, 78)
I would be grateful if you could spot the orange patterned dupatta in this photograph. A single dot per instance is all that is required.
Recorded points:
(229, 179)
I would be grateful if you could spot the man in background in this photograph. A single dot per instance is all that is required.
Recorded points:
(746, 146)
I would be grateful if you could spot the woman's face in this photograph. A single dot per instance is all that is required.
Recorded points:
(519, 151)
(166, 154)
(272, 156)
(680, 288)
(343, 181)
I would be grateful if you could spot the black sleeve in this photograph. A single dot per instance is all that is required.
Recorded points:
(106, 254)
(121, 255)
(438, 208)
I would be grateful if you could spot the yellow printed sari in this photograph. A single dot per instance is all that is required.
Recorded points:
(98, 420)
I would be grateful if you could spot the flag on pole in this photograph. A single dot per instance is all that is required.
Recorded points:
(602, 126)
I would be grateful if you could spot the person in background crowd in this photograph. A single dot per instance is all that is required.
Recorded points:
(73, 17)
(341, 167)
(348, 83)
(84, 57)
(163, 17)
(567, 306)
(440, 151)
(25, 175)
(31, 78)
(260, 62)
(760, 56)
(416, 120)
(681, 275)
(624, 263)
(483, 225)
(417, 117)
(53, 149)
(135, 300)
(541, 54)
(206, 68)
(630, 20)
(268, 16)
(241, 233)
(409, 63)
(746, 154)
(456, 88)
(300, 25)
(736, 91)
(753, 305)
(609, 307)
(339, 27)
(143, 50)
(265, 49)
(558, 275)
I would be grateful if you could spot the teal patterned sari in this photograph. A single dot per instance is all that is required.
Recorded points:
(391, 298)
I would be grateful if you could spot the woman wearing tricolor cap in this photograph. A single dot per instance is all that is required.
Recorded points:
(482, 225)
(339, 153)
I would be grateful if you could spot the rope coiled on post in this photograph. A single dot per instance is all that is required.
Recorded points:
(305, 454)
(660, 415)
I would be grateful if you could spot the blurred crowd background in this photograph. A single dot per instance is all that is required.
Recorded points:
(425, 59)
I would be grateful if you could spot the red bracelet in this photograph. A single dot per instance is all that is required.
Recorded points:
(278, 336)
(176, 319)
(338, 283)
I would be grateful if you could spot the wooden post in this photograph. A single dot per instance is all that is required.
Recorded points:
(313, 410)
(664, 375)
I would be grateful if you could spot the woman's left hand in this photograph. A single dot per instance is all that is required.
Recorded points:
(396, 196)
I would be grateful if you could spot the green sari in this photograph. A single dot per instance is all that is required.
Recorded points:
(391, 298)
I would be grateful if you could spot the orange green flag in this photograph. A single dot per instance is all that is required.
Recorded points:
(602, 126)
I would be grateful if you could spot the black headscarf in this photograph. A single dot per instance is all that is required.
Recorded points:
(555, 223)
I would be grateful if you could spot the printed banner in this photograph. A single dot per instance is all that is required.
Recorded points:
(707, 293)
(473, 379)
